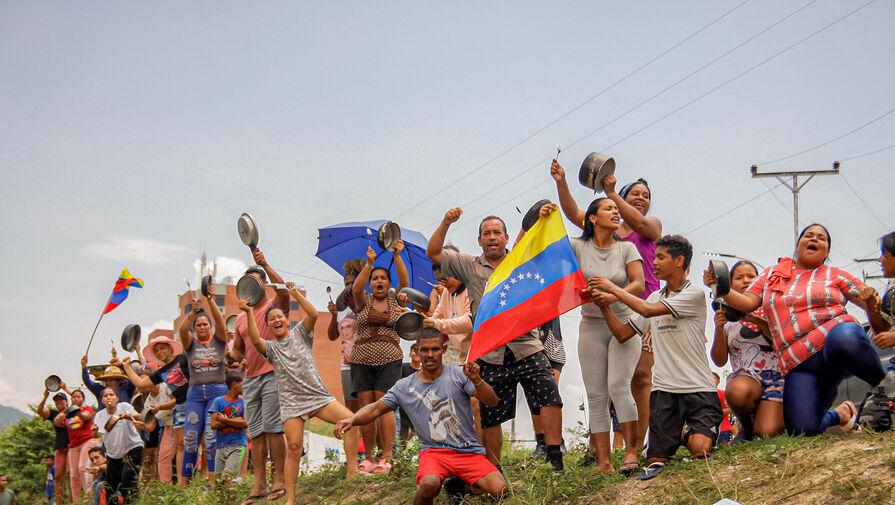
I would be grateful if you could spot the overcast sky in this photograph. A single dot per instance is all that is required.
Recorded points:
(133, 135)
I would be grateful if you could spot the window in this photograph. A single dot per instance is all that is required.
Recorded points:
(188, 308)
(219, 300)
(293, 306)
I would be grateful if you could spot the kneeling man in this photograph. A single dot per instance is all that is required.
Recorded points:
(437, 401)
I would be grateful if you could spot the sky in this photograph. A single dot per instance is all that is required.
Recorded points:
(134, 135)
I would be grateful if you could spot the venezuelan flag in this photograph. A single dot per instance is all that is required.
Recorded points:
(538, 281)
(122, 288)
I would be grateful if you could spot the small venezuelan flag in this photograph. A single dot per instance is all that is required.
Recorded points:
(538, 281)
(122, 288)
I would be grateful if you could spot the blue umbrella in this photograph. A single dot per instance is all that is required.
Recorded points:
(339, 243)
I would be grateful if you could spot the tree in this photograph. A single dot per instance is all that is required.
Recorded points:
(23, 447)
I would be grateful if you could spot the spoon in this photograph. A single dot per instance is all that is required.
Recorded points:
(558, 150)
(329, 292)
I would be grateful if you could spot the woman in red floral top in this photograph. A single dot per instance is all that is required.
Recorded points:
(817, 341)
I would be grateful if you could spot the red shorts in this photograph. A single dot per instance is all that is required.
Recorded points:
(444, 463)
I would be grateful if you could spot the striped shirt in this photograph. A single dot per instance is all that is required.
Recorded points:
(809, 304)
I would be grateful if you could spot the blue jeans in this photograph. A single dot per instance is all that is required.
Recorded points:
(810, 388)
(198, 421)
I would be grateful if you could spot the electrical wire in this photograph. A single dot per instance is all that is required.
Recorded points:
(868, 154)
(852, 188)
(577, 107)
(840, 137)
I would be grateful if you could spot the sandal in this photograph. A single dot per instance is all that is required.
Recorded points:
(252, 497)
(651, 471)
(366, 466)
(850, 424)
(383, 467)
(628, 468)
(276, 494)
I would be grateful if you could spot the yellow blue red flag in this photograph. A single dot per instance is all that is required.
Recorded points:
(539, 280)
(122, 288)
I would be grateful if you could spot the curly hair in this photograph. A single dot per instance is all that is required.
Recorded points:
(677, 245)
(354, 266)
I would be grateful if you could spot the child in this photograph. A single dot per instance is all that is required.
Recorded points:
(228, 418)
(755, 386)
(97, 469)
(301, 390)
(683, 389)
(51, 479)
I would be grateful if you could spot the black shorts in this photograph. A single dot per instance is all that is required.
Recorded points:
(375, 377)
(668, 412)
(535, 375)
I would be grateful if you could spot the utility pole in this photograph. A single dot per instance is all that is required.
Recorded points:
(795, 187)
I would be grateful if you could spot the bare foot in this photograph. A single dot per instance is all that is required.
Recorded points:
(605, 468)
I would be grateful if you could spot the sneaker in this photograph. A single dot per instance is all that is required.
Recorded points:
(540, 450)
(454, 488)
(562, 446)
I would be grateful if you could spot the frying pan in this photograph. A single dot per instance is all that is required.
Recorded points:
(231, 323)
(138, 401)
(417, 298)
(409, 325)
(53, 383)
(342, 299)
(206, 281)
(888, 305)
(248, 232)
(594, 167)
(722, 287)
(730, 313)
(531, 217)
(130, 337)
(388, 235)
(249, 287)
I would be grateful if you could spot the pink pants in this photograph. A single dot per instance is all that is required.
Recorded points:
(166, 452)
(78, 461)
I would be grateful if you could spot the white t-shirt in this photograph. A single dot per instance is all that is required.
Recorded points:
(681, 362)
(163, 396)
(123, 437)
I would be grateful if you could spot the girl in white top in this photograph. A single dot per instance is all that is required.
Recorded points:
(123, 444)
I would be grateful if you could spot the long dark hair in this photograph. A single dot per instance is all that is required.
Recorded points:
(591, 210)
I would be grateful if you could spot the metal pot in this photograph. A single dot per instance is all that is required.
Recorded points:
(130, 337)
(342, 299)
(388, 235)
(206, 281)
(231, 323)
(888, 305)
(531, 217)
(249, 287)
(409, 325)
(594, 167)
(417, 298)
(53, 383)
(722, 273)
(730, 313)
(248, 232)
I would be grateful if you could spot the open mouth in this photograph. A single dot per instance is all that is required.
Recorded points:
(812, 247)
(278, 325)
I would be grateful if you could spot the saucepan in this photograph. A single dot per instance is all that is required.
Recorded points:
(594, 167)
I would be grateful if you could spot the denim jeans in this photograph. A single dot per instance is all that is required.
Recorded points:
(198, 421)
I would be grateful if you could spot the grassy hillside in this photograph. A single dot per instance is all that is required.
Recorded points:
(855, 469)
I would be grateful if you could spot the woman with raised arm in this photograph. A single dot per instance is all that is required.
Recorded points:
(300, 388)
(376, 355)
(206, 354)
(80, 440)
(754, 389)
(643, 231)
(817, 341)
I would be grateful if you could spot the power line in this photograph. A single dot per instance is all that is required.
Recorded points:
(840, 137)
(868, 154)
(577, 107)
(707, 93)
(878, 220)
(736, 207)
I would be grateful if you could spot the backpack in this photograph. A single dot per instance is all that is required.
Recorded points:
(875, 411)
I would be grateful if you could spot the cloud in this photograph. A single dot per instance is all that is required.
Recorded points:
(136, 249)
(161, 324)
(226, 270)
(5, 304)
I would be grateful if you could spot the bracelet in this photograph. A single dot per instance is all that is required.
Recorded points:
(479, 383)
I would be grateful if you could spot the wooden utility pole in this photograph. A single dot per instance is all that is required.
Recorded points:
(795, 187)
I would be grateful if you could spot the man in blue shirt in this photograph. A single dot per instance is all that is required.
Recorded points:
(437, 401)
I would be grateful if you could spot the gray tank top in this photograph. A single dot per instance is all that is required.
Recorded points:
(207, 362)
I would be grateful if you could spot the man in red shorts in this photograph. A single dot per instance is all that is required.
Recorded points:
(437, 401)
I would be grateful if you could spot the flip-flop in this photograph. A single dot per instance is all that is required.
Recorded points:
(276, 494)
(650, 471)
(850, 425)
(252, 497)
(629, 468)
(383, 467)
(366, 466)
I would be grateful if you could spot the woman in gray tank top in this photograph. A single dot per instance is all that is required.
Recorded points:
(205, 347)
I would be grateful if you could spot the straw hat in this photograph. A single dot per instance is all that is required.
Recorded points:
(176, 348)
(112, 372)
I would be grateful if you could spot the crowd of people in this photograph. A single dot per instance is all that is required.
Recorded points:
(210, 396)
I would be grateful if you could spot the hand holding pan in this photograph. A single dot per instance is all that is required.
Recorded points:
(248, 232)
(887, 308)
(594, 167)
(409, 325)
(206, 281)
(248, 287)
(130, 337)
(531, 217)
(417, 298)
(53, 383)
(722, 274)
(388, 236)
